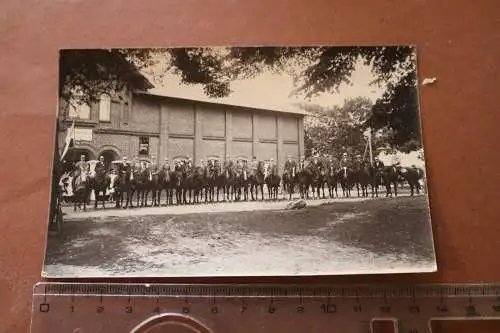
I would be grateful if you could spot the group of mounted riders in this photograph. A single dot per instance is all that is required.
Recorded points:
(237, 180)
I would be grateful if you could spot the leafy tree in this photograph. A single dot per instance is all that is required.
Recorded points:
(320, 70)
(334, 130)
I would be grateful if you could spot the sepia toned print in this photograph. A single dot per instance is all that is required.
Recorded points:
(238, 161)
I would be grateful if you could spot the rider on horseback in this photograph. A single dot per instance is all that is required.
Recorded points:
(302, 163)
(254, 165)
(166, 164)
(100, 167)
(359, 163)
(316, 164)
(290, 166)
(345, 161)
(82, 167)
(272, 169)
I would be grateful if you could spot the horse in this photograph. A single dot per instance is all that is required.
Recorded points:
(158, 183)
(231, 183)
(289, 180)
(178, 185)
(318, 181)
(210, 179)
(191, 185)
(305, 179)
(413, 175)
(346, 179)
(273, 182)
(127, 185)
(220, 181)
(144, 183)
(166, 181)
(99, 183)
(331, 181)
(363, 176)
(256, 179)
(391, 177)
(241, 184)
(81, 191)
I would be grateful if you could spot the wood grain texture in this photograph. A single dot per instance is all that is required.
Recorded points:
(458, 42)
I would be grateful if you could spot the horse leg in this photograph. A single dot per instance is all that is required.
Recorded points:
(395, 188)
(96, 199)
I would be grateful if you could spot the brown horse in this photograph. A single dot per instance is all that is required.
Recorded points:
(99, 183)
(289, 181)
(391, 177)
(220, 181)
(126, 187)
(80, 190)
(305, 179)
(346, 178)
(412, 175)
(256, 180)
(332, 180)
(273, 181)
(363, 177)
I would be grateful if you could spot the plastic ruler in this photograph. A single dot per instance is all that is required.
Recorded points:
(177, 308)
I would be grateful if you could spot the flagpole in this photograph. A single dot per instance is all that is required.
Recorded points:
(370, 144)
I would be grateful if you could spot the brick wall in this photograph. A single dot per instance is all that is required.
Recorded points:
(241, 149)
(242, 124)
(213, 148)
(212, 121)
(289, 128)
(145, 115)
(180, 147)
(179, 121)
(265, 151)
(265, 126)
(292, 149)
(121, 142)
(181, 118)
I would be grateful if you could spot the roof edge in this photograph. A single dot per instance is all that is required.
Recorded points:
(186, 99)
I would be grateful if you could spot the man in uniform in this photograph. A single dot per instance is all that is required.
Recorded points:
(272, 167)
(378, 164)
(254, 165)
(124, 165)
(316, 164)
(166, 165)
(358, 162)
(302, 163)
(290, 166)
(344, 161)
(99, 166)
(239, 167)
(330, 165)
(203, 167)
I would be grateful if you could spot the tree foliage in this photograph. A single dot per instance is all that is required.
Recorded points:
(316, 70)
(334, 130)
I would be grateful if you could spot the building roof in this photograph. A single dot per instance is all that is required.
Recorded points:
(292, 109)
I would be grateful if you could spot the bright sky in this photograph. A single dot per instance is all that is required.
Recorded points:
(272, 91)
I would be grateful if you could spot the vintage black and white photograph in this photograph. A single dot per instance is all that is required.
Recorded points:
(238, 161)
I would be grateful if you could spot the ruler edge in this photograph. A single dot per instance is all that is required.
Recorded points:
(410, 290)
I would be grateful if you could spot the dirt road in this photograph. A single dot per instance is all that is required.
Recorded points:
(333, 238)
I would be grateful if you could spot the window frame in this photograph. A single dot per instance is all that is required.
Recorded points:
(104, 98)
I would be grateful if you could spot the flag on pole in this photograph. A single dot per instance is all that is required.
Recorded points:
(69, 141)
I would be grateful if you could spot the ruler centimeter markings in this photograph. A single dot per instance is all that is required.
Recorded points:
(149, 308)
